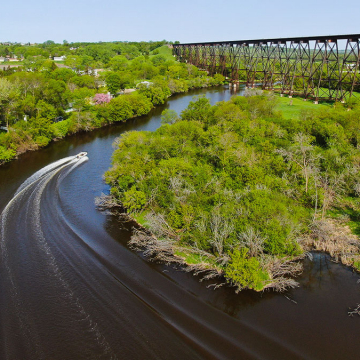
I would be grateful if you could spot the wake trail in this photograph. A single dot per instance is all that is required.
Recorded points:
(43, 171)
(34, 187)
(44, 246)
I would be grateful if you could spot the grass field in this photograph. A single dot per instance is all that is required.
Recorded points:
(165, 51)
(298, 104)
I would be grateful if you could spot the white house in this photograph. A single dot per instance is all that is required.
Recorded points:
(144, 83)
(59, 58)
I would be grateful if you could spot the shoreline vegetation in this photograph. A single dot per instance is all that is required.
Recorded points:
(40, 102)
(238, 192)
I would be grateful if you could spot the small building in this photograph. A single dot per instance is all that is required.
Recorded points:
(59, 58)
(96, 72)
(144, 83)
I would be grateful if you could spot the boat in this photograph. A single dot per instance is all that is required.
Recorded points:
(81, 155)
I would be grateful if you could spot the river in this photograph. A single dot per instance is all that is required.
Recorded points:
(70, 288)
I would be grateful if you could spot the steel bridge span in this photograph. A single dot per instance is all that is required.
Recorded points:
(316, 67)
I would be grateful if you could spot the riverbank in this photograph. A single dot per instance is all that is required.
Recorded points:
(20, 140)
(327, 236)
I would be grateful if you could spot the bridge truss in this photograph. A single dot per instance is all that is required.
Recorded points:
(322, 67)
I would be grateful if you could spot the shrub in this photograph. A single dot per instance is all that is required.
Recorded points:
(134, 200)
(6, 154)
(244, 272)
(42, 141)
(60, 129)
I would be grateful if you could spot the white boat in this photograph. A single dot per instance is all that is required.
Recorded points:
(80, 155)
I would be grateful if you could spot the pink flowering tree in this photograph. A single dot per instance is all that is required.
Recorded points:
(100, 99)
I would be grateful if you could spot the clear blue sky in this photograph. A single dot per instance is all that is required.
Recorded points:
(183, 20)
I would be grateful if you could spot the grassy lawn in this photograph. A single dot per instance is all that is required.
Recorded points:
(298, 104)
(165, 51)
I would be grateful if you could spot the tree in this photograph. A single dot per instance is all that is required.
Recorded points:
(245, 272)
(48, 66)
(63, 74)
(80, 97)
(49, 42)
(154, 93)
(197, 110)
(221, 228)
(73, 61)
(113, 83)
(332, 187)
(54, 92)
(41, 130)
(303, 154)
(102, 99)
(120, 109)
(118, 62)
(169, 116)
(9, 94)
(45, 110)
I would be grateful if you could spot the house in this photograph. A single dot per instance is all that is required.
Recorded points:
(89, 71)
(2, 58)
(59, 58)
(96, 72)
(144, 83)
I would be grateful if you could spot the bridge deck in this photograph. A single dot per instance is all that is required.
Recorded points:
(353, 37)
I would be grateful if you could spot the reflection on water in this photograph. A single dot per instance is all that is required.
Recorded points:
(71, 288)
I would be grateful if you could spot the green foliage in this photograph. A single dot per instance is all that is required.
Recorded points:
(154, 93)
(245, 272)
(6, 154)
(41, 127)
(234, 177)
(113, 82)
(134, 200)
(141, 105)
(42, 141)
(169, 116)
(357, 265)
(45, 110)
(120, 109)
(197, 110)
(60, 129)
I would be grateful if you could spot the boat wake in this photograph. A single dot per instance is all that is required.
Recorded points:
(71, 292)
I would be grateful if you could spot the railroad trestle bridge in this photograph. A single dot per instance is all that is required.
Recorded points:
(317, 67)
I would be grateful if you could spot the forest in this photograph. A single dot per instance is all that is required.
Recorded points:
(42, 99)
(239, 192)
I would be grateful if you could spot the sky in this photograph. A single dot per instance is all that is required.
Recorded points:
(179, 20)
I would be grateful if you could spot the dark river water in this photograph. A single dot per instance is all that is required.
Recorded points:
(71, 289)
